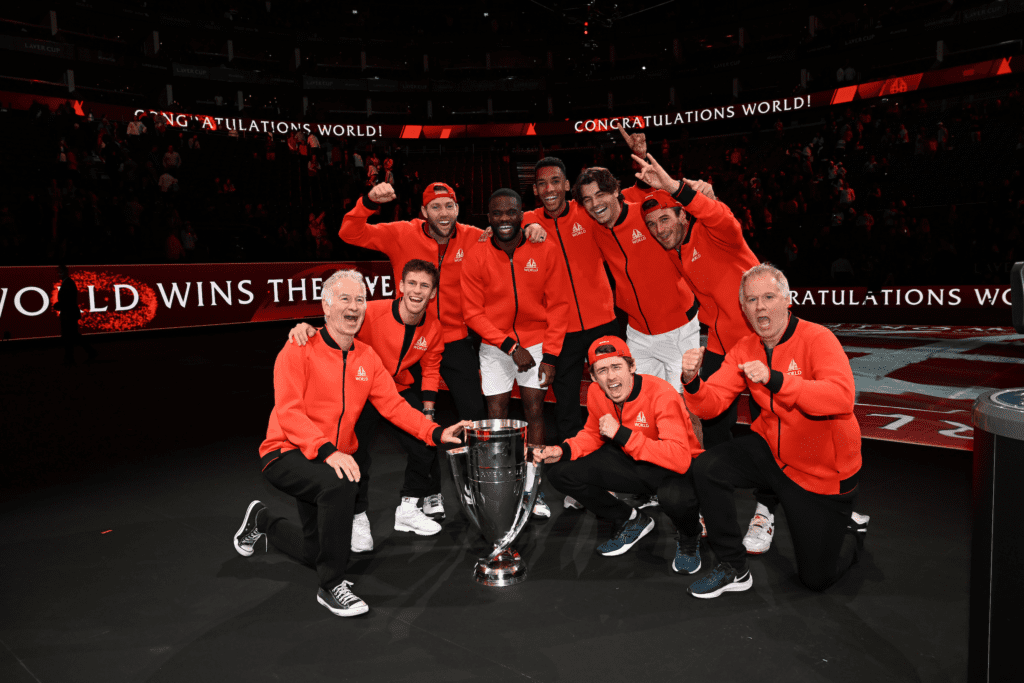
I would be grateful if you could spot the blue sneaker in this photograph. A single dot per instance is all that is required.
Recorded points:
(631, 531)
(687, 555)
(722, 578)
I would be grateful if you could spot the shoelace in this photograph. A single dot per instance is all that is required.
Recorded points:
(251, 537)
(760, 522)
(433, 501)
(343, 594)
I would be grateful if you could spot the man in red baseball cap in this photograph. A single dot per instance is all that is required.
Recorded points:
(638, 439)
(436, 238)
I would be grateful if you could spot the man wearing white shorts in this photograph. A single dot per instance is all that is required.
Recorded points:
(661, 355)
(514, 295)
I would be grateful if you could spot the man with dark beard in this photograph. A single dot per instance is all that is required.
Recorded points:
(514, 295)
(438, 239)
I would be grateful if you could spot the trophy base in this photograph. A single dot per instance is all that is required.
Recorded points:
(507, 569)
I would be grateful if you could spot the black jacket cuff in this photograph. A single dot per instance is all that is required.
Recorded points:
(325, 451)
(775, 381)
(549, 359)
(436, 435)
(428, 396)
(693, 386)
(685, 193)
(622, 436)
(369, 203)
(566, 452)
(507, 345)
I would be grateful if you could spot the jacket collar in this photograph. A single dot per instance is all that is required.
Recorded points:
(328, 339)
(623, 213)
(522, 239)
(638, 381)
(398, 316)
(565, 211)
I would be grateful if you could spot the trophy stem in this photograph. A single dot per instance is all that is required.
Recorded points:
(507, 569)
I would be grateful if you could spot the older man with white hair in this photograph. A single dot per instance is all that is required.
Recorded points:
(319, 392)
(805, 445)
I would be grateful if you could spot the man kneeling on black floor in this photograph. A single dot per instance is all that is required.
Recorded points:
(319, 392)
(805, 445)
(638, 439)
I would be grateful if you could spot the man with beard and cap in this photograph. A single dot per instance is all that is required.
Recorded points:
(591, 309)
(638, 439)
(514, 295)
(705, 243)
(320, 390)
(410, 344)
(439, 239)
(661, 307)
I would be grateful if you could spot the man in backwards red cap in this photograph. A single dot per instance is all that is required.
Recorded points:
(705, 242)
(438, 239)
(637, 439)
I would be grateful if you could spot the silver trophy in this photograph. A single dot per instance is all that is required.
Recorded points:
(498, 487)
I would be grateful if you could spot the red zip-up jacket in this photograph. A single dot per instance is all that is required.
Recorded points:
(520, 299)
(591, 302)
(402, 241)
(655, 425)
(319, 393)
(647, 285)
(635, 194)
(712, 259)
(402, 346)
(806, 407)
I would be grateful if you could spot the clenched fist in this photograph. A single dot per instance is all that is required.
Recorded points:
(756, 371)
(608, 426)
(692, 360)
(382, 193)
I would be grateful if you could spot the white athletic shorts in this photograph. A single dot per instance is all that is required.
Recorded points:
(498, 370)
(661, 355)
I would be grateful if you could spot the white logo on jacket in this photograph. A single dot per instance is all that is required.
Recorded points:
(531, 266)
(361, 375)
(458, 256)
(793, 369)
(641, 420)
(696, 255)
(420, 344)
(638, 236)
(578, 230)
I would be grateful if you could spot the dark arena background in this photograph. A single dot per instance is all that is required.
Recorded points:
(191, 163)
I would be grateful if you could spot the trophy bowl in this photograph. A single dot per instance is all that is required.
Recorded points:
(497, 487)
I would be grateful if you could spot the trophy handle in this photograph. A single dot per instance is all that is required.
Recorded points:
(463, 487)
(531, 489)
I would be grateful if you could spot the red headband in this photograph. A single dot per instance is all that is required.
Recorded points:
(435, 190)
(664, 199)
(620, 349)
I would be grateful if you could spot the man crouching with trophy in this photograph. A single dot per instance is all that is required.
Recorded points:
(637, 439)
(319, 392)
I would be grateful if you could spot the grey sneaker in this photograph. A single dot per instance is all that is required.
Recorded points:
(723, 578)
(433, 506)
(248, 534)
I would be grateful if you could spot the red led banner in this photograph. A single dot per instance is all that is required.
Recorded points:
(150, 297)
(837, 96)
(963, 305)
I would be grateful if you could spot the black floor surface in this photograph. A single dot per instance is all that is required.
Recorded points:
(124, 481)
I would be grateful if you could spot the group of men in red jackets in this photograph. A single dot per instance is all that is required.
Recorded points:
(527, 302)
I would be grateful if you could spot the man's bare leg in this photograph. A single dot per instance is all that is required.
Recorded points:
(533, 406)
(497, 405)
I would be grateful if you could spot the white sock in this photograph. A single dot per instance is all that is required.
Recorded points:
(408, 500)
(633, 516)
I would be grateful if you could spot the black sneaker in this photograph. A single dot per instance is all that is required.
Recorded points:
(248, 534)
(631, 531)
(723, 578)
(342, 601)
(687, 560)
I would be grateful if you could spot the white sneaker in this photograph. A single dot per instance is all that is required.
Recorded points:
(540, 507)
(409, 517)
(859, 522)
(703, 528)
(571, 503)
(362, 541)
(760, 532)
(434, 505)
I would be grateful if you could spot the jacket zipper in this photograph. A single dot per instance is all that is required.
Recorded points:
(344, 371)
(569, 269)
(440, 261)
(515, 293)
(771, 406)
(630, 278)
